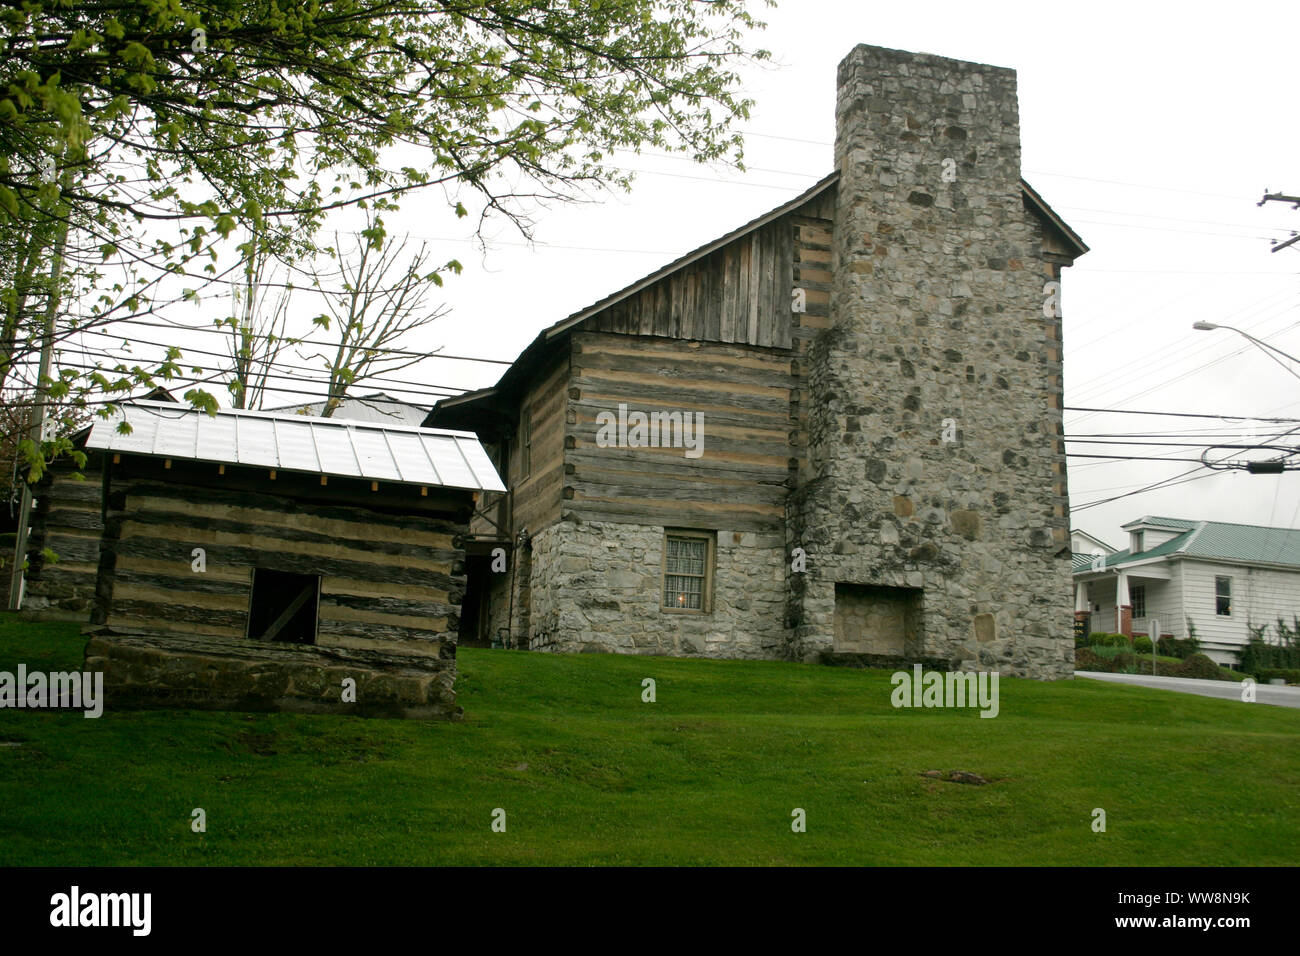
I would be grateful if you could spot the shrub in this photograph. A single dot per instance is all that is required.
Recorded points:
(1086, 660)
(1126, 662)
(1105, 639)
(1110, 653)
(1142, 644)
(1290, 675)
(1200, 666)
(1261, 654)
(1179, 647)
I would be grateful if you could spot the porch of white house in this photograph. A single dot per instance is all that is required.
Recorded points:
(1129, 601)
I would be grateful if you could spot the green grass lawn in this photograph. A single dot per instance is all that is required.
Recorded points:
(708, 774)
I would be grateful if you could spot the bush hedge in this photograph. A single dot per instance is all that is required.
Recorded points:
(1261, 656)
(1290, 675)
(1126, 662)
(1198, 665)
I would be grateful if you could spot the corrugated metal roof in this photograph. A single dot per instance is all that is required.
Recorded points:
(324, 446)
(1217, 541)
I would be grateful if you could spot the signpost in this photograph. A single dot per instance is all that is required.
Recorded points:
(1154, 630)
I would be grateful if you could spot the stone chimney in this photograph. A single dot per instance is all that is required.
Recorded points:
(935, 517)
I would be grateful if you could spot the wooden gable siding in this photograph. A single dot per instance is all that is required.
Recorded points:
(743, 392)
(739, 293)
(388, 581)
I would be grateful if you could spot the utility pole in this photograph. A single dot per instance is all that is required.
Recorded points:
(1281, 197)
(36, 432)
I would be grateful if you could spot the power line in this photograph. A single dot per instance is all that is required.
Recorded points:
(1134, 411)
(226, 331)
(391, 385)
(1031, 172)
(1156, 486)
(261, 362)
(1132, 458)
(1189, 346)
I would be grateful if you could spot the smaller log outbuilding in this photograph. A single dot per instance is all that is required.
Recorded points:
(267, 561)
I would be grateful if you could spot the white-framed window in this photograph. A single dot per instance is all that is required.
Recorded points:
(1223, 596)
(1137, 597)
(688, 571)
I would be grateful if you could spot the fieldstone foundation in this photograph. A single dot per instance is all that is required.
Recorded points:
(597, 587)
(213, 674)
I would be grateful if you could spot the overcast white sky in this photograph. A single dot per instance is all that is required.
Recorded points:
(1153, 129)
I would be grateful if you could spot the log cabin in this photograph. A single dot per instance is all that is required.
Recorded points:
(255, 560)
(872, 374)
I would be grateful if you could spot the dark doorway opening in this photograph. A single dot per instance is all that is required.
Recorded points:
(475, 605)
(283, 606)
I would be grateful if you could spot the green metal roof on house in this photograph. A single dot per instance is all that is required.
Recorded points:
(1173, 524)
(1213, 540)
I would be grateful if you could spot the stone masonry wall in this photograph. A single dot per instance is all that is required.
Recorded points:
(937, 314)
(597, 587)
(213, 674)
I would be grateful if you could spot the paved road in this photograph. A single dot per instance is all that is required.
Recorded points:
(1264, 693)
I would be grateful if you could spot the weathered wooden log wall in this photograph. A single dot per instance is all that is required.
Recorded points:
(743, 394)
(391, 577)
(719, 338)
(67, 521)
(537, 494)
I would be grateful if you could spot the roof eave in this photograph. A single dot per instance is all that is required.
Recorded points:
(1038, 202)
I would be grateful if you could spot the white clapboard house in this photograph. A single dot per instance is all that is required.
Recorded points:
(1217, 577)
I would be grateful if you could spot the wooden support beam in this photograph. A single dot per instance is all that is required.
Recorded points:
(294, 606)
(273, 474)
(424, 491)
(117, 459)
(324, 480)
(221, 469)
(167, 463)
(374, 486)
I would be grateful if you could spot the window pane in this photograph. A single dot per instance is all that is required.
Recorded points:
(1223, 596)
(685, 573)
(686, 556)
(683, 592)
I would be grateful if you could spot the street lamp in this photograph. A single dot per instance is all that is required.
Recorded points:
(1268, 349)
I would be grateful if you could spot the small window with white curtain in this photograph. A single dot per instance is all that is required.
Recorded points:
(688, 571)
